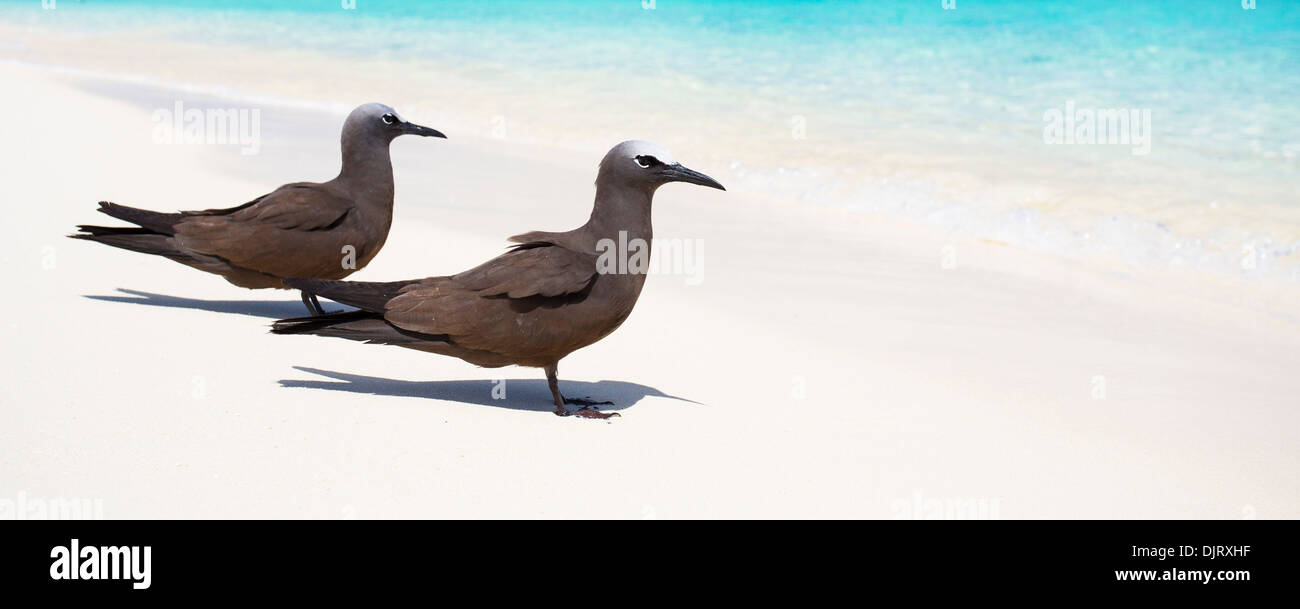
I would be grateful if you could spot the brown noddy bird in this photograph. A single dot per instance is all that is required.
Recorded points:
(531, 306)
(323, 230)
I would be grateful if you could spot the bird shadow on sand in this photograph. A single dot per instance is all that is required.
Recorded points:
(521, 394)
(270, 309)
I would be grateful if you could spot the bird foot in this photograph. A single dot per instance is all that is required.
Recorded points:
(586, 412)
(313, 305)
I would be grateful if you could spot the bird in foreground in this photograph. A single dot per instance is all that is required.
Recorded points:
(323, 230)
(546, 297)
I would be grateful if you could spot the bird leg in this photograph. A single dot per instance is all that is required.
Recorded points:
(586, 412)
(313, 305)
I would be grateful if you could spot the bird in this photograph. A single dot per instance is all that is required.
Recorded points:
(322, 230)
(548, 295)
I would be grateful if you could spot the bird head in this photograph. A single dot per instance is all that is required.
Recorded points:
(644, 164)
(383, 122)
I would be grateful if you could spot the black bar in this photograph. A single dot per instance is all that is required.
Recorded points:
(317, 558)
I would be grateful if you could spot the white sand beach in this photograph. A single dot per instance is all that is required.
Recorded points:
(828, 363)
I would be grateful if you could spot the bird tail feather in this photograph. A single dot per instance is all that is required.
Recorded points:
(152, 235)
(157, 222)
(361, 326)
(134, 239)
(365, 295)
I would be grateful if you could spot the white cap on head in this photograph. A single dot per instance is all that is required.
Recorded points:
(635, 148)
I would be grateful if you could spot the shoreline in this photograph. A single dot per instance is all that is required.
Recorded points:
(1146, 219)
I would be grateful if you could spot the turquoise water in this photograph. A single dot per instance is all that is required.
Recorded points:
(1222, 83)
(1227, 70)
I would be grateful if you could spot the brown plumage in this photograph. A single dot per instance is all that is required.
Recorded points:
(530, 306)
(327, 230)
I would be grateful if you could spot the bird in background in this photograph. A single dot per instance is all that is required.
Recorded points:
(531, 306)
(324, 230)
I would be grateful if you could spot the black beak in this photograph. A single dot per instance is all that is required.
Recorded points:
(677, 173)
(421, 130)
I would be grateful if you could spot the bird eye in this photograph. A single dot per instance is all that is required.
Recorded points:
(388, 119)
(645, 161)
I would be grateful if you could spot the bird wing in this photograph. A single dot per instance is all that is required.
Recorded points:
(298, 206)
(468, 305)
(531, 269)
(279, 233)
